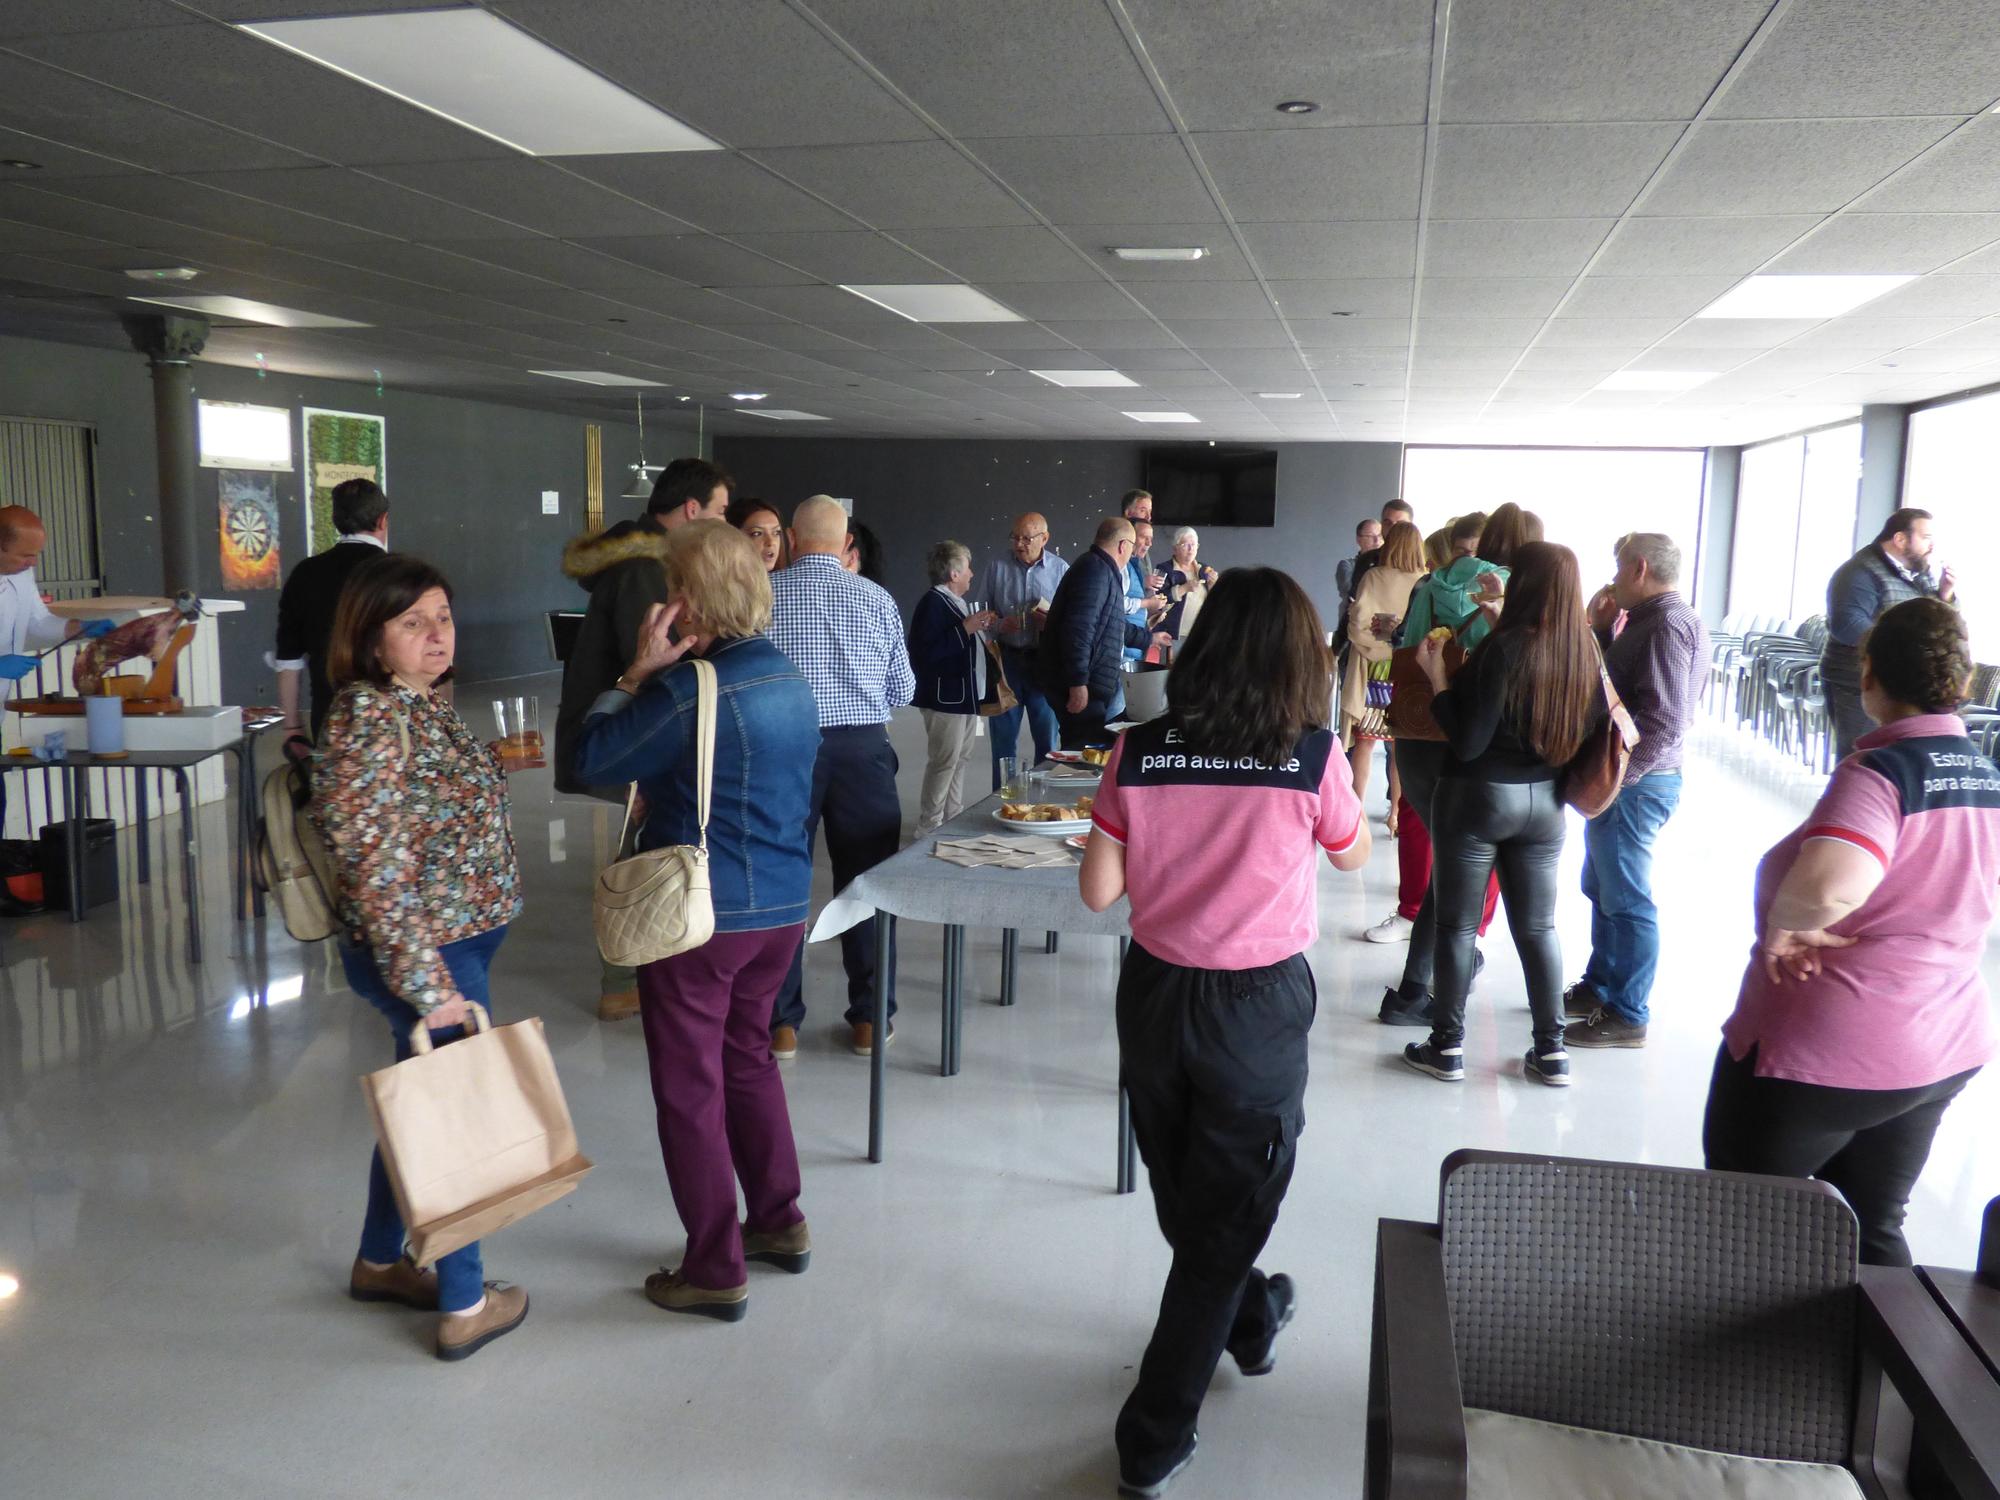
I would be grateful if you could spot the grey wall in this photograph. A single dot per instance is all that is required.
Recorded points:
(1883, 430)
(1718, 530)
(915, 493)
(464, 482)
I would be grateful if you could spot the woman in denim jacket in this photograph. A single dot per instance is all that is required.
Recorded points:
(707, 1012)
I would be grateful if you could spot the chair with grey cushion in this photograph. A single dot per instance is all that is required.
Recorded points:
(1572, 1330)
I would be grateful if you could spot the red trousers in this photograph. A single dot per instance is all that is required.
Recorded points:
(1413, 868)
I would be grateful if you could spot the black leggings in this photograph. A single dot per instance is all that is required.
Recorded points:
(1518, 827)
(1869, 1143)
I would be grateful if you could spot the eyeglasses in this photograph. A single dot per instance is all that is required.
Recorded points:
(1028, 536)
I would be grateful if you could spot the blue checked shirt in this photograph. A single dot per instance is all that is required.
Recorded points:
(845, 636)
(1010, 588)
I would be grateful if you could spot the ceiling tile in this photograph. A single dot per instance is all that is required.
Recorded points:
(1970, 296)
(1908, 244)
(1372, 297)
(1132, 179)
(1594, 332)
(1490, 296)
(1222, 333)
(1476, 333)
(539, 195)
(1737, 333)
(1289, 252)
(719, 191)
(362, 201)
(1109, 336)
(701, 259)
(1075, 300)
(1206, 299)
(1545, 171)
(1695, 246)
(1786, 166)
(1644, 296)
(1857, 57)
(1008, 253)
(850, 256)
(1511, 247)
(1961, 173)
(911, 185)
(1222, 262)
(1353, 172)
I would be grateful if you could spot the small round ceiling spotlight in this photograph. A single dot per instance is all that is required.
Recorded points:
(1298, 107)
(14, 163)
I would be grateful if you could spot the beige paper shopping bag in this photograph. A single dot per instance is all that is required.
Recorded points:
(474, 1135)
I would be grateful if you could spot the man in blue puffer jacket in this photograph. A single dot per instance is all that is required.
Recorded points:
(1083, 643)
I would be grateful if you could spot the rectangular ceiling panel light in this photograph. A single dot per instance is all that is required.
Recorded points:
(1084, 377)
(1799, 296)
(235, 436)
(1654, 380)
(1162, 416)
(243, 310)
(476, 70)
(1279, 395)
(782, 414)
(1158, 252)
(597, 377)
(949, 303)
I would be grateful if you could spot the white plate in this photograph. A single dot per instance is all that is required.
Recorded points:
(1065, 827)
(1078, 841)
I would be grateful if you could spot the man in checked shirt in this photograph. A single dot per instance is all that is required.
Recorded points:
(1657, 663)
(845, 635)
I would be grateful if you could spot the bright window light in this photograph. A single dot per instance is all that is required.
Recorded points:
(947, 303)
(1799, 296)
(1654, 380)
(235, 436)
(243, 310)
(1162, 416)
(476, 70)
(596, 377)
(1949, 473)
(1084, 377)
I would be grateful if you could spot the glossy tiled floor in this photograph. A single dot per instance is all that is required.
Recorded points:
(181, 1181)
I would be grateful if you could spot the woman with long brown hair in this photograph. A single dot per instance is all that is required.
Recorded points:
(1520, 709)
(1364, 689)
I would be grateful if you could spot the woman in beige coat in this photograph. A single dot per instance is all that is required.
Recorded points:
(1384, 591)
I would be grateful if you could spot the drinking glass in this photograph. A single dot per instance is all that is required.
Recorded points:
(1013, 787)
(519, 724)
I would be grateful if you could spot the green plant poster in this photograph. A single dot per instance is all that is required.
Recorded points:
(339, 445)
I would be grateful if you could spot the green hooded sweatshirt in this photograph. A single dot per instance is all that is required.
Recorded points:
(1445, 598)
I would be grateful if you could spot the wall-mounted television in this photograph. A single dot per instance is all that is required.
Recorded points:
(1194, 484)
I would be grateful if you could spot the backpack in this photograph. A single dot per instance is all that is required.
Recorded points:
(294, 866)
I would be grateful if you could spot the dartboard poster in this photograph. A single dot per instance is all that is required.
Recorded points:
(339, 445)
(249, 516)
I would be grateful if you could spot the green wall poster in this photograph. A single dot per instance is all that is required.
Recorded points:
(339, 445)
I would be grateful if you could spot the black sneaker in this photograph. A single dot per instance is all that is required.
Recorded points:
(1446, 1064)
(1478, 964)
(1147, 1489)
(1398, 1011)
(1602, 1028)
(1550, 1067)
(1579, 1000)
(1284, 1303)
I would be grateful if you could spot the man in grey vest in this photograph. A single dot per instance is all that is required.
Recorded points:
(1894, 567)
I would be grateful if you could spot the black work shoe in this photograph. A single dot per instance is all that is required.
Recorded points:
(1446, 1064)
(1551, 1067)
(1397, 1011)
(1148, 1489)
(1579, 1000)
(1262, 1359)
(1603, 1028)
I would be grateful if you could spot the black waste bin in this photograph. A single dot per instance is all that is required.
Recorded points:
(100, 863)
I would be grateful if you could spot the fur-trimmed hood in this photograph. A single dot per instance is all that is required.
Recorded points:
(588, 557)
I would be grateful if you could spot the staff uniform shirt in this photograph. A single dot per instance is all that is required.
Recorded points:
(1905, 1006)
(26, 624)
(1011, 587)
(1222, 857)
(845, 636)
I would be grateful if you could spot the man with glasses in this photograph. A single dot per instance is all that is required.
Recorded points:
(1019, 588)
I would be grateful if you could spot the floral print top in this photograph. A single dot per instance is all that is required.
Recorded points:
(414, 809)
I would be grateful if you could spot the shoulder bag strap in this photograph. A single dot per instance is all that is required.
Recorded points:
(704, 730)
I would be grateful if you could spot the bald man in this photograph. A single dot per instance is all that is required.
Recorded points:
(26, 625)
(1082, 660)
(845, 635)
(1019, 587)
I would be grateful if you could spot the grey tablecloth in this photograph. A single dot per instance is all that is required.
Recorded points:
(915, 884)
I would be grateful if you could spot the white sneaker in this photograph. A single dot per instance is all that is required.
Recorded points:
(1394, 928)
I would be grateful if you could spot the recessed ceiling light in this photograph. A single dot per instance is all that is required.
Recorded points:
(163, 273)
(1084, 377)
(1278, 395)
(1653, 380)
(747, 395)
(780, 414)
(598, 377)
(1162, 416)
(243, 310)
(1159, 252)
(950, 302)
(1298, 107)
(14, 163)
(1799, 296)
(478, 71)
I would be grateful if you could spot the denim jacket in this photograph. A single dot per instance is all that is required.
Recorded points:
(766, 740)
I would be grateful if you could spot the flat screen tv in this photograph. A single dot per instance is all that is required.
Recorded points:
(1196, 485)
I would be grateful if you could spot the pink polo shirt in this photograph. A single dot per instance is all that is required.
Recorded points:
(1905, 1006)
(1222, 857)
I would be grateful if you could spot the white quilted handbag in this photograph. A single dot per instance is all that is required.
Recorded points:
(657, 903)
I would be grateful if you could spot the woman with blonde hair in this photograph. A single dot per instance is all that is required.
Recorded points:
(1364, 690)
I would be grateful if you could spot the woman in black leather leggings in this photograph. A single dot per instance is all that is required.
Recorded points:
(1518, 711)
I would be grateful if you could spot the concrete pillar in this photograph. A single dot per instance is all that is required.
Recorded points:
(1718, 531)
(172, 343)
(1881, 495)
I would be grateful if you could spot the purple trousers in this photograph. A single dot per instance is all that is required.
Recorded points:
(721, 1104)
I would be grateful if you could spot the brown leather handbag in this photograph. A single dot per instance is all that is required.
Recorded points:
(1594, 777)
(1408, 715)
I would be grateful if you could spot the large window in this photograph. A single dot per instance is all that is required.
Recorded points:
(1587, 497)
(1953, 453)
(1794, 522)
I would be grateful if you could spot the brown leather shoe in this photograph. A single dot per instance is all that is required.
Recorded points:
(620, 1006)
(784, 1043)
(461, 1335)
(669, 1289)
(789, 1249)
(402, 1282)
(863, 1040)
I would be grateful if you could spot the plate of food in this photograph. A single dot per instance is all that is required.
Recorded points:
(1090, 755)
(1078, 841)
(1053, 818)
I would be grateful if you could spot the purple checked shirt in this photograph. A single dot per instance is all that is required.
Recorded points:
(1657, 663)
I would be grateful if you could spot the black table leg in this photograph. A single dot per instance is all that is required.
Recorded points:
(184, 795)
(240, 865)
(142, 787)
(1128, 1154)
(878, 1068)
(246, 825)
(1053, 943)
(954, 976)
(78, 810)
(1010, 963)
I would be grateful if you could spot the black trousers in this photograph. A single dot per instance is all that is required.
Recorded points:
(1869, 1143)
(1419, 762)
(1850, 719)
(854, 796)
(1079, 730)
(1478, 825)
(1215, 1063)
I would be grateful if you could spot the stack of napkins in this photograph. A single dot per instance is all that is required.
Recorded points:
(1073, 773)
(1022, 853)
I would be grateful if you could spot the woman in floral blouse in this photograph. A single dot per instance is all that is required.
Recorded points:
(414, 807)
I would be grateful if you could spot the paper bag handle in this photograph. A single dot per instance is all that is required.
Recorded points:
(420, 1035)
